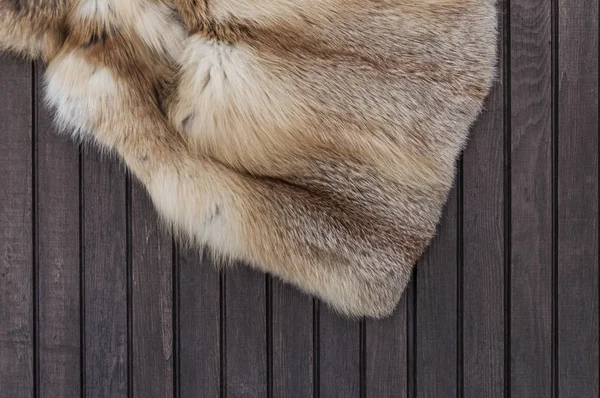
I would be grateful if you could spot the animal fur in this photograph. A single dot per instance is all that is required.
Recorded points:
(314, 139)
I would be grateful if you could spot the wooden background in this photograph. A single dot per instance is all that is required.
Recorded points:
(96, 300)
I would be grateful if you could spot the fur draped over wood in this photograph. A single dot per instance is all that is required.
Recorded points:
(313, 139)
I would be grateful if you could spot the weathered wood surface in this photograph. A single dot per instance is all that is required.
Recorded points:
(97, 300)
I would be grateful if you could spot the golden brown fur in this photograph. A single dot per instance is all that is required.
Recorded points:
(315, 139)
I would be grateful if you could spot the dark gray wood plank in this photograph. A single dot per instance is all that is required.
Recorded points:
(58, 250)
(436, 314)
(483, 322)
(339, 355)
(199, 329)
(386, 373)
(16, 230)
(293, 358)
(483, 249)
(152, 299)
(531, 199)
(578, 199)
(105, 273)
(246, 332)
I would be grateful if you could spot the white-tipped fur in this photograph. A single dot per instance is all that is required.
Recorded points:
(228, 99)
(94, 8)
(159, 28)
(206, 218)
(155, 23)
(71, 83)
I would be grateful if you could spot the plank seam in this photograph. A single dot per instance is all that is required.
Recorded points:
(129, 283)
(223, 333)
(506, 30)
(175, 319)
(554, 155)
(362, 347)
(82, 336)
(460, 283)
(269, 333)
(316, 350)
(35, 233)
(411, 338)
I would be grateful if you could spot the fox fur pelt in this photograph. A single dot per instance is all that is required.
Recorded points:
(314, 139)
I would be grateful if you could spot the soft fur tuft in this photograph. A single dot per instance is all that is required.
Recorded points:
(316, 140)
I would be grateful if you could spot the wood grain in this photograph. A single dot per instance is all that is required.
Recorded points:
(151, 299)
(578, 199)
(105, 275)
(199, 325)
(531, 198)
(339, 350)
(386, 354)
(483, 249)
(293, 345)
(16, 230)
(246, 331)
(58, 254)
(437, 310)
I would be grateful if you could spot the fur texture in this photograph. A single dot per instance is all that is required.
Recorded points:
(315, 139)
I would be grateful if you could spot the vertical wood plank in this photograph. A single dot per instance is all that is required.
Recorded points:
(152, 299)
(386, 354)
(578, 199)
(339, 350)
(531, 198)
(246, 332)
(57, 180)
(484, 246)
(16, 230)
(105, 272)
(436, 315)
(292, 342)
(199, 320)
